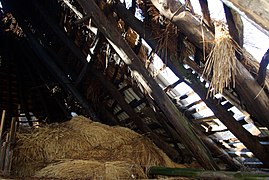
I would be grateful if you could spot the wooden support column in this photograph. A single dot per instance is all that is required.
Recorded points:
(246, 86)
(179, 121)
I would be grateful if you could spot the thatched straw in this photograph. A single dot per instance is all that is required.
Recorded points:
(221, 61)
(85, 169)
(81, 138)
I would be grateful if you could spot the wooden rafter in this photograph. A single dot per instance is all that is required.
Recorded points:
(192, 81)
(246, 85)
(256, 10)
(141, 75)
(205, 11)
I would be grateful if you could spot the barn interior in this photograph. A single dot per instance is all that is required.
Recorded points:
(183, 81)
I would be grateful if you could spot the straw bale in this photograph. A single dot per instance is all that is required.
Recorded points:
(81, 138)
(86, 169)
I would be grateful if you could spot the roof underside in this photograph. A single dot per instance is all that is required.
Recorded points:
(97, 59)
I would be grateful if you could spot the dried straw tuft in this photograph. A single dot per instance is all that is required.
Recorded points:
(145, 153)
(221, 61)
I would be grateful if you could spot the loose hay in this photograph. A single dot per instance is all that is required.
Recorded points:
(143, 152)
(221, 61)
(98, 134)
(83, 139)
(85, 169)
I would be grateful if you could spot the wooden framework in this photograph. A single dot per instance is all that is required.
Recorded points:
(74, 32)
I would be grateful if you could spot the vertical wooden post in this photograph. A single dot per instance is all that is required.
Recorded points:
(2, 124)
(9, 149)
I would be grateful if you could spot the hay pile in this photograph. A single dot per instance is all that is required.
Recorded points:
(85, 144)
(86, 169)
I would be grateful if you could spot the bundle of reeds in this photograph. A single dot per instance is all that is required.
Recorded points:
(83, 139)
(86, 169)
(221, 61)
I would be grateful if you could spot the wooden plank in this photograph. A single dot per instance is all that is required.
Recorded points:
(204, 119)
(141, 75)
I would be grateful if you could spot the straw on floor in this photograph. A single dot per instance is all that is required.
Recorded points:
(83, 139)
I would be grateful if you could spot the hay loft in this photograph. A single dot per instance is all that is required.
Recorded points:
(98, 84)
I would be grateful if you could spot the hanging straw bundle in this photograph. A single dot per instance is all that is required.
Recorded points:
(222, 61)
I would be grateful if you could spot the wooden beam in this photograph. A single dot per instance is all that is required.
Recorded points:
(206, 12)
(181, 124)
(256, 10)
(59, 75)
(235, 25)
(2, 125)
(236, 28)
(263, 68)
